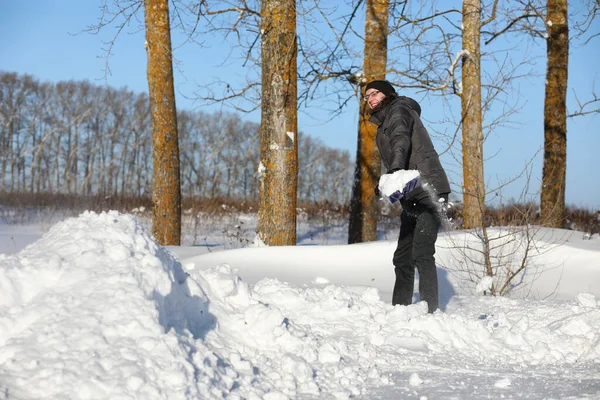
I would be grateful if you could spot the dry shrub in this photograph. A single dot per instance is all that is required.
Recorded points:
(72, 202)
(583, 220)
(577, 218)
(218, 206)
(580, 219)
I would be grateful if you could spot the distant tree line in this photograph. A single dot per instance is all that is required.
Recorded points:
(83, 139)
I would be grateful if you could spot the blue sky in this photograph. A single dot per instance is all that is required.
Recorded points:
(45, 39)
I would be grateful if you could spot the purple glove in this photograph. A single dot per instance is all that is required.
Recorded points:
(394, 197)
(410, 185)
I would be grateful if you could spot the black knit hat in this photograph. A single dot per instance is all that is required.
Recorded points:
(383, 86)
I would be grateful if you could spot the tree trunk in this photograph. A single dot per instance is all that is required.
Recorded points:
(363, 204)
(552, 207)
(166, 191)
(472, 131)
(278, 171)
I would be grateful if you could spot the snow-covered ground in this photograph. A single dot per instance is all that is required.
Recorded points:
(94, 309)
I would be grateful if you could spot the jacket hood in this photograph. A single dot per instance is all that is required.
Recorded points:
(412, 103)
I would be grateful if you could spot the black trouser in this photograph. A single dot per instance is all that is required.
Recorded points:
(416, 248)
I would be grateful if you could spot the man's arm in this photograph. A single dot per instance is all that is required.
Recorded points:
(400, 131)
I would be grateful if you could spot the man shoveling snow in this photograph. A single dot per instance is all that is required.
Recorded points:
(416, 178)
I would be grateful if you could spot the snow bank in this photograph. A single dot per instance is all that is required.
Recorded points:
(96, 309)
(84, 311)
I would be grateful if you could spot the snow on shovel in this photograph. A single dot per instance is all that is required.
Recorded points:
(397, 185)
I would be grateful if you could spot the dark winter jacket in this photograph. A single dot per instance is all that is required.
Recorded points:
(404, 143)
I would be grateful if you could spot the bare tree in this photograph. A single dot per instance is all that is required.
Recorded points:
(472, 133)
(552, 205)
(549, 20)
(238, 25)
(12, 113)
(278, 173)
(363, 204)
(138, 162)
(166, 191)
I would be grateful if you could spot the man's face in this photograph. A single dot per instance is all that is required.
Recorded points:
(373, 97)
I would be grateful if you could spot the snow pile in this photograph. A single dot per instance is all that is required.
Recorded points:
(96, 309)
(296, 341)
(83, 315)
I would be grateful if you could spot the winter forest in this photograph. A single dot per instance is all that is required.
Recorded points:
(79, 139)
